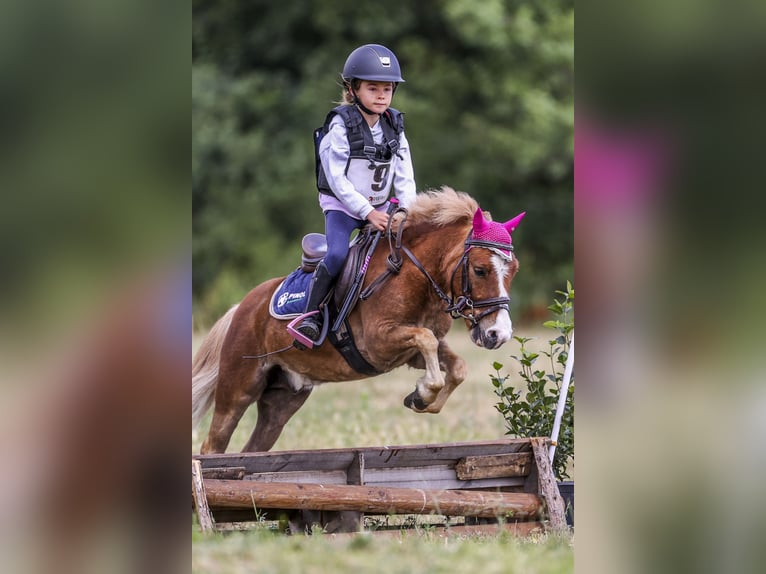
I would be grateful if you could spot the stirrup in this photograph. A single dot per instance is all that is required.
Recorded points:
(300, 338)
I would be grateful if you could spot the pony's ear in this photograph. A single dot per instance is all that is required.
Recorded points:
(479, 223)
(512, 224)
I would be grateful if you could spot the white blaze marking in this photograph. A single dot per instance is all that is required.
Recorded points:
(503, 326)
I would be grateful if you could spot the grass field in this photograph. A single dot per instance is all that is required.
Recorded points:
(263, 552)
(370, 413)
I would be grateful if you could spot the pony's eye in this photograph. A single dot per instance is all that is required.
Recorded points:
(480, 271)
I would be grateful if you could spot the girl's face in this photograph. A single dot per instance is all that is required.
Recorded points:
(376, 96)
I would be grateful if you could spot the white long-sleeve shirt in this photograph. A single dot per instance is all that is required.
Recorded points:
(334, 152)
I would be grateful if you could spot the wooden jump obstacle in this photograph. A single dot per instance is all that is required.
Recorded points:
(508, 482)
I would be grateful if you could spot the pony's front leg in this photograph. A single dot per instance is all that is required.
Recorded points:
(431, 383)
(456, 371)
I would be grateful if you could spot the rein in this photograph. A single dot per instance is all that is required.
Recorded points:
(457, 307)
(290, 346)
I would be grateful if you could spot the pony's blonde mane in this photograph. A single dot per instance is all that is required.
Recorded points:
(442, 207)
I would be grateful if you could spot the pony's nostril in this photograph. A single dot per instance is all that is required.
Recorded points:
(494, 338)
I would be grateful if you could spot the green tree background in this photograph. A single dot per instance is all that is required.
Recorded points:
(489, 110)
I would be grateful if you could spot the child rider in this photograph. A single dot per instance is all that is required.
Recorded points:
(364, 156)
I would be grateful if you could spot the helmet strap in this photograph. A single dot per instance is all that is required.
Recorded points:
(359, 103)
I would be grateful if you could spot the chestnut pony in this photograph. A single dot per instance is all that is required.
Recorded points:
(456, 264)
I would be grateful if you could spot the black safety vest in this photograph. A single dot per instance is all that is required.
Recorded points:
(369, 164)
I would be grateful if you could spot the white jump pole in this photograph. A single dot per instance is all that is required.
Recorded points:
(562, 399)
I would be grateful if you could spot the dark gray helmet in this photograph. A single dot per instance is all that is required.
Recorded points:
(374, 63)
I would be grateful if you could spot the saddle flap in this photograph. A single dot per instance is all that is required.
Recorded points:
(354, 261)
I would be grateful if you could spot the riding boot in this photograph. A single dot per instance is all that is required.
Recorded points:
(321, 282)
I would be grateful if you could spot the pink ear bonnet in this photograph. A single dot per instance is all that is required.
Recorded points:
(493, 231)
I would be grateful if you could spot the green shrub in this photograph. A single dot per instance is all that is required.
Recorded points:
(532, 414)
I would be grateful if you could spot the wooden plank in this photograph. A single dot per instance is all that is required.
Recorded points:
(223, 472)
(494, 466)
(200, 499)
(355, 472)
(397, 475)
(548, 488)
(428, 455)
(286, 461)
(300, 476)
(451, 484)
(238, 494)
(375, 457)
(434, 476)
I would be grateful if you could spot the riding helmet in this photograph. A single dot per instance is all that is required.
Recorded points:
(374, 63)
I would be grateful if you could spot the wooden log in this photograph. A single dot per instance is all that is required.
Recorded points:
(244, 494)
(500, 465)
(547, 485)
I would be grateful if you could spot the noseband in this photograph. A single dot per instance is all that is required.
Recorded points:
(464, 306)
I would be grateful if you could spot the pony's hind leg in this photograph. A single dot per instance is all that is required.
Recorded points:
(238, 388)
(225, 419)
(284, 395)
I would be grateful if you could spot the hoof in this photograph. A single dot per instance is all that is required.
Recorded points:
(414, 402)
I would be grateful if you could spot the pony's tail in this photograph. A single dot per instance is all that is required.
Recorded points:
(205, 367)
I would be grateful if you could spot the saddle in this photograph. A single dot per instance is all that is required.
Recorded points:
(314, 248)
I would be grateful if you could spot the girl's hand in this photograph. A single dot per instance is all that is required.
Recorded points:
(379, 219)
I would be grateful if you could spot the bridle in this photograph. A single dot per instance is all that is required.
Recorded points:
(463, 306)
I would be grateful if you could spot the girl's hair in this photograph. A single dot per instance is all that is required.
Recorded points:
(346, 98)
